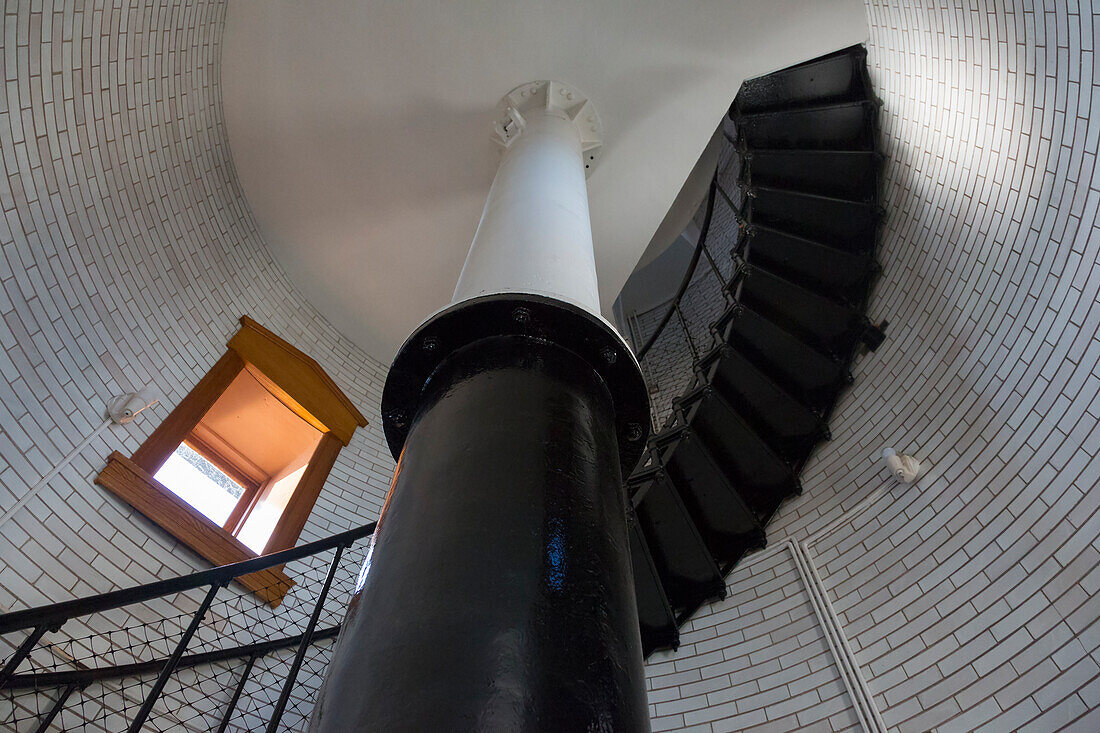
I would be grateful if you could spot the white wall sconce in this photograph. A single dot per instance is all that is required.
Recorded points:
(125, 407)
(904, 468)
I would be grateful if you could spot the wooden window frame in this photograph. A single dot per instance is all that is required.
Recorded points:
(298, 382)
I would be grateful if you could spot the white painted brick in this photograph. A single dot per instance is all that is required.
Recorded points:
(126, 261)
(989, 371)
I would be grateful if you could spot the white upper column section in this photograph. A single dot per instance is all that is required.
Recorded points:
(535, 235)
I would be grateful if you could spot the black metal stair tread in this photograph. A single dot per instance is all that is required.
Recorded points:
(845, 126)
(726, 523)
(805, 372)
(840, 200)
(809, 152)
(826, 298)
(789, 426)
(809, 240)
(837, 74)
(813, 265)
(655, 617)
(840, 222)
(782, 468)
(815, 106)
(762, 478)
(811, 316)
(685, 566)
(851, 174)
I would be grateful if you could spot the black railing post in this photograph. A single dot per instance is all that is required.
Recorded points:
(687, 332)
(232, 706)
(307, 638)
(729, 201)
(20, 654)
(58, 704)
(170, 665)
(717, 273)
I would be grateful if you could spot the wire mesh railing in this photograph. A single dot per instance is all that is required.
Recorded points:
(194, 653)
(674, 334)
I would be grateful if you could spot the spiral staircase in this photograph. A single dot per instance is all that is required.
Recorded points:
(772, 362)
(759, 339)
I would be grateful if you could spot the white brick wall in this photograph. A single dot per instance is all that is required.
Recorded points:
(971, 598)
(127, 253)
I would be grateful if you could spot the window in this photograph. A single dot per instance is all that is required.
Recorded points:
(196, 480)
(241, 464)
(233, 472)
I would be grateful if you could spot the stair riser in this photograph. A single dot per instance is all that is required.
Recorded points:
(801, 371)
(835, 78)
(815, 267)
(687, 571)
(842, 175)
(824, 325)
(848, 226)
(655, 616)
(833, 128)
(762, 479)
(790, 428)
(725, 523)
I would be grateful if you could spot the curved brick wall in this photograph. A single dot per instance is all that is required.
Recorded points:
(970, 598)
(127, 253)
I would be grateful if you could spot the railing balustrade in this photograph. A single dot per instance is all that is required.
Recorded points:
(51, 619)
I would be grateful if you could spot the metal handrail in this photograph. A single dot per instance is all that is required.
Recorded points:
(52, 616)
(688, 273)
(81, 677)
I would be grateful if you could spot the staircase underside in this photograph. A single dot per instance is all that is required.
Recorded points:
(779, 354)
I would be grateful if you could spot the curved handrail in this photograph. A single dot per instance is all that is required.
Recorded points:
(82, 677)
(688, 273)
(56, 614)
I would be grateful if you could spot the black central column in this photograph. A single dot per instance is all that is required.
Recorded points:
(498, 593)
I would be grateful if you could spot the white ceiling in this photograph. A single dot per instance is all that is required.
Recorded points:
(360, 128)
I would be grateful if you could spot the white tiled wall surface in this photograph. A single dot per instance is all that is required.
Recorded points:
(971, 599)
(756, 661)
(127, 254)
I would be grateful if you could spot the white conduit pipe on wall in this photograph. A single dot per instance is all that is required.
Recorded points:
(846, 662)
(849, 656)
(33, 491)
(855, 696)
(121, 409)
(845, 659)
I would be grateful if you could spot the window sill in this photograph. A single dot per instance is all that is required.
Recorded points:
(131, 483)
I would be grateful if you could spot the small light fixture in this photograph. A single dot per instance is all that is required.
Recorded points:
(904, 468)
(123, 408)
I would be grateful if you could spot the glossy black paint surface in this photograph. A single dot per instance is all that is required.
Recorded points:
(807, 216)
(498, 592)
(534, 317)
(835, 77)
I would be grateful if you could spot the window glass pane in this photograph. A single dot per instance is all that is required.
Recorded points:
(199, 482)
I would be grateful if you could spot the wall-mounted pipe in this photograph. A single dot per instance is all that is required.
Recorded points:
(41, 483)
